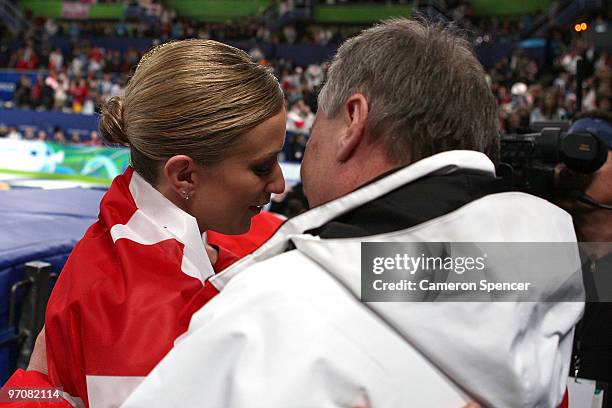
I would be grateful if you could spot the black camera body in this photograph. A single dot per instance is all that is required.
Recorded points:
(528, 161)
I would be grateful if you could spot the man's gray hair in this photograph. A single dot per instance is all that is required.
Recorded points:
(425, 89)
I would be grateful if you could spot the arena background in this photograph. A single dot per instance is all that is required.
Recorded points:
(60, 59)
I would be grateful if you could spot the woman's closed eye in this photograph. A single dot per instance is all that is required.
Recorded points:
(262, 170)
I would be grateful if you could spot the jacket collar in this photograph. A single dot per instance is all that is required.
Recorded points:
(157, 219)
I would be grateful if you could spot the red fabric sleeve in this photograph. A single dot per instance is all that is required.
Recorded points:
(31, 379)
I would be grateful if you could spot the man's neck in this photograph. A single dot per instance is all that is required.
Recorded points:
(367, 165)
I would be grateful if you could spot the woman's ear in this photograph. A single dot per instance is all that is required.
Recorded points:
(354, 115)
(180, 174)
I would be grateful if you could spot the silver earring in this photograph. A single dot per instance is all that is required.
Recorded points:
(186, 195)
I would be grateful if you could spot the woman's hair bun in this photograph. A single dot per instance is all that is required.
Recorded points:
(111, 122)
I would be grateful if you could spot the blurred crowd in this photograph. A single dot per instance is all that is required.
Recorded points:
(528, 93)
(80, 78)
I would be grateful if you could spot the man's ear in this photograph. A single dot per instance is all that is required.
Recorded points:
(354, 115)
(180, 173)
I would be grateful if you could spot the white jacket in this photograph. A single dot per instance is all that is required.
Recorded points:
(288, 328)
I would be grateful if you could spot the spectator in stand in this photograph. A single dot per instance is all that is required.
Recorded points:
(117, 88)
(74, 31)
(256, 54)
(56, 59)
(503, 97)
(534, 94)
(105, 85)
(51, 28)
(42, 94)
(604, 79)
(78, 91)
(120, 29)
(93, 82)
(502, 72)
(604, 103)
(94, 139)
(41, 135)
(13, 134)
(52, 79)
(28, 133)
(58, 135)
(96, 60)
(60, 95)
(300, 118)
(569, 61)
(114, 61)
(23, 92)
(549, 108)
(131, 59)
(26, 57)
(589, 101)
(89, 107)
(36, 92)
(516, 122)
(519, 96)
(79, 61)
(75, 138)
(315, 74)
(292, 83)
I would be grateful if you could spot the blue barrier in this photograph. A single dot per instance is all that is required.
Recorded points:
(490, 53)
(37, 225)
(304, 54)
(113, 43)
(48, 120)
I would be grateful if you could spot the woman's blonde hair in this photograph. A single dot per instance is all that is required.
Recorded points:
(192, 97)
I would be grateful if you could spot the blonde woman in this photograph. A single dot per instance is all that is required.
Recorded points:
(204, 126)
